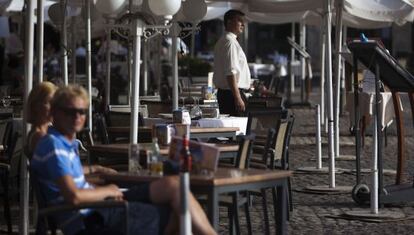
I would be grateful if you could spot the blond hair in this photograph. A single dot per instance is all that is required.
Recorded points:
(67, 93)
(37, 97)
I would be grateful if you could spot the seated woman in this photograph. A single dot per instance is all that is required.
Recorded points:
(61, 178)
(38, 113)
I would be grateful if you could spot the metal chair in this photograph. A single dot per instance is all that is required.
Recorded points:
(234, 200)
(10, 138)
(46, 213)
(259, 122)
(101, 128)
(275, 155)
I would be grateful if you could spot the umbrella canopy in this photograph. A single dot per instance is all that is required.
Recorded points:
(366, 14)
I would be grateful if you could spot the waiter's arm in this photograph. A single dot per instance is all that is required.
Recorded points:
(238, 101)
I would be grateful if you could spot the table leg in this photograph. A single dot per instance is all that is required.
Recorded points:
(281, 217)
(213, 209)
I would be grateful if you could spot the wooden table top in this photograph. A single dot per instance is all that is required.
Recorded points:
(123, 148)
(222, 177)
(193, 129)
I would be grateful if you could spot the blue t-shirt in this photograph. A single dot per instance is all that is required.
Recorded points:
(54, 157)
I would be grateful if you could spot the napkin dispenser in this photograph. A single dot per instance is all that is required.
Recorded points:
(181, 116)
(164, 132)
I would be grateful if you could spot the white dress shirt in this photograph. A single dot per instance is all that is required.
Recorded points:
(229, 59)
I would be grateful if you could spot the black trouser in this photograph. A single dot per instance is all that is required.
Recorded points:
(225, 99)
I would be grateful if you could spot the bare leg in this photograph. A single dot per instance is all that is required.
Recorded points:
(167, 191)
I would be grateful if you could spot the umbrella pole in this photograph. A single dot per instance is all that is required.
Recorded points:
(108, 68)
(40, 40)
(138, 30)
(302, 41)
(291, 89)
(328, 54)
(338, 47)
(145, 66)
(175, 32)
(322, 81)
(28, 71)
(73, 55)
(64, 44)
(88, 60)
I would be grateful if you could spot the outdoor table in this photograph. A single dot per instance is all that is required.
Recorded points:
(366, 107)
(224, 180)
(195, 132)
(257, 70)
(223, 121)
(6, 113)
(121, 150)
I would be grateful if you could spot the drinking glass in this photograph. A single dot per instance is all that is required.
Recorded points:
(5, 101)
(183, 103)
(196, 111)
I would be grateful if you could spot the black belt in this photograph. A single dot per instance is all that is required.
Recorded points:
(240, 89)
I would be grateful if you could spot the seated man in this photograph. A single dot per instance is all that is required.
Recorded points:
(61, 178)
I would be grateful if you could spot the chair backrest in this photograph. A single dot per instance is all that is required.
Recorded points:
(245, 149)
(11, 135)
(280, 140)
(7, 134)
(259, 122)
(285, 158)
(43, 223)
(85, 137)
(267, 147)
(101, 128)
(281, 144)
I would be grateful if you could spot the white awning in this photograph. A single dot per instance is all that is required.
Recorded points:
(365, 14)
(397, 11)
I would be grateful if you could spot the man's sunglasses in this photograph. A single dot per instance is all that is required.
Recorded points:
(74, 111)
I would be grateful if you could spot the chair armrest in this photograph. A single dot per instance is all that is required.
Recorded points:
(51, 210)
(4, 166)
(226, 165)
(81, 146)
(258, 165)
(258, 149)
(66, 207)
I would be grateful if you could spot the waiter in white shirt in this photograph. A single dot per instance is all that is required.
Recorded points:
(231, 71)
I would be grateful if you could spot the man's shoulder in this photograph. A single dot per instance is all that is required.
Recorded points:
(47, 139)
(47, 142)
(225, 42)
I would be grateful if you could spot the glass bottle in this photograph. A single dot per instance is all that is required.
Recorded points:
(156, 161)
(155, 147)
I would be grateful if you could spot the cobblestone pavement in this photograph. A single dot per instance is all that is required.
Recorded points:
(311, 211)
